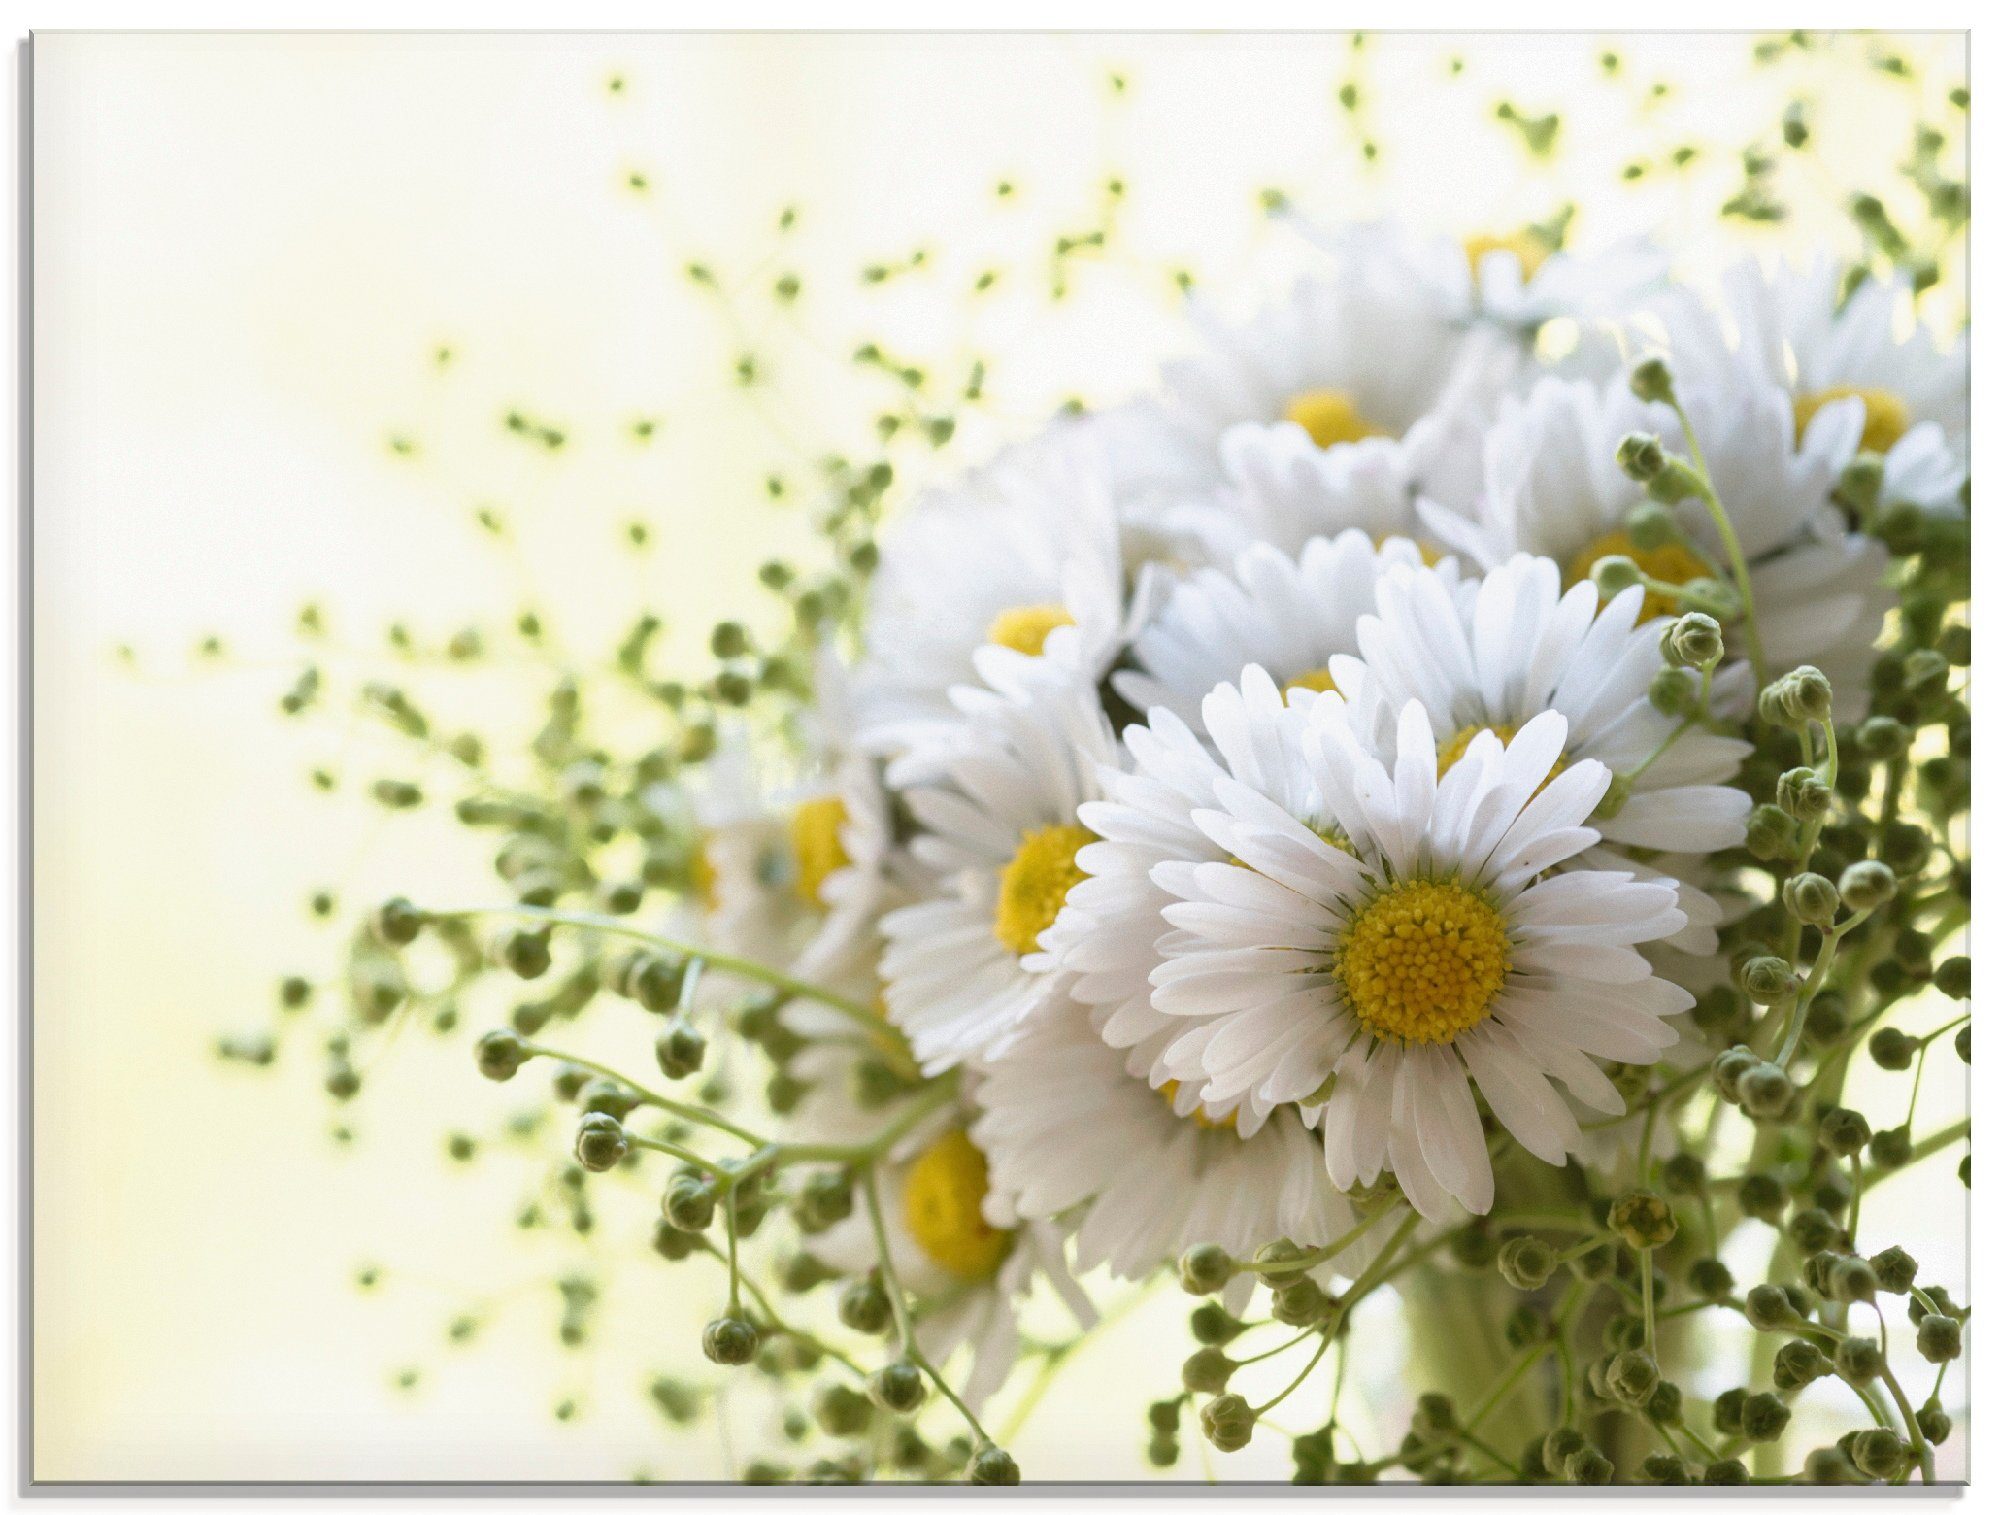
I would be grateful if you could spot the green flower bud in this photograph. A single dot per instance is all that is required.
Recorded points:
(654, 980)
(840, 1411)
(1843, 1132)
(1664, 1404)
(1596, 1264)
(1207, 1371)
(897, 1387)
(1811, 694)
(1590, 1467)
(396, 922)
(864, 1307)
(1765, 1417)
(729, 1341)
(1227, 1421)
(1164, 1415)
(1675, 482)
(601, 1143)
(1770, 833)
(689, 1203)
(1631, 1376)
(526, 953)
(1827, 1466)
(1614, 574)
(1939, 1338)
(1726, 1474)
(1729, 1411)
(1934, 1423)
(1953, 978)
(1797, 1364)
(1472, 1247)
(1895, 1270)
(1205, 1268)
(1881, 1454)
(1905, 848)
(1881, 737)
(1858, 1358)
(1673, 692)
(1768, 981)
(500, 1055)
(1643, 1220)
(1866, 885)
(1710, 1278)
(1527, 1261)
(825, 1199)
(680, 1050)
(1813, 1230)
(1769, 1308)
(1892, 1049)
(1811, 898)
(1641, 456)
(1652, 381)
(1300, 1303)
(1212, 1325)
(992, 1468)
(1651, 525)
(1767, 1092)
(1693, 641)
(1728, 1069)
(1684, 1173)
(1804, 795)
(670, 1242)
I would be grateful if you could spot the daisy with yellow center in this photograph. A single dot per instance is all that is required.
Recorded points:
(1459, 943)
(1887, 418)
(999, 829)
(944, 1192)
(1026, 628)
(1331, 416)
(817, 849)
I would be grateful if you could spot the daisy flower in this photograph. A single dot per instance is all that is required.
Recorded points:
(1020, 561)
(968, 1263)
(1287, 614)
(1518, 645)
(1384, 939)
(1073, 1128)
(1554, 489)
(1792, 326)
(998, 829)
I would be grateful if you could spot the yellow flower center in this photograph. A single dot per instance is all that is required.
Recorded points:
(942, 1194)
(1525, 245)
(1330, 416)
(1669, 564)
(1888, 417)
(702, 875)
(1316, 678)
(1026, 627)
(1170, 1091)
(1035, 883)
(1424, 961)
(816, 845)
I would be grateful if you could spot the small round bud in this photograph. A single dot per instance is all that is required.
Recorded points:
(1895, 1270)
(1770, 833)
(1710, 1278)
(1652, 381)
(500, 1055)
(1673, 692)
(1953, 978)
(1811, 694)
(1641, 456)
(689, 1203)
(1762, 1197)
(1526, 1262)
(1212, 1325)
(1804, 795)
(654, 980)
(1858, 1359)
(1684, 1173)
(1939, 1338)
(1614, 574)
(1631, 1376)
(1813, 1230)
(1207, 1371)
(1651, 525)
(1665, 1469)
(680, 1050)
(396, 922)
(1765, 1417)
(601, 1143)
(526, 953)
(1827, 1466)
(897, 1387)
(1881, 1454)
(864, 1307)
(1843, 1132)
(1664, 1404)
(1204, 1269)
(1892, 1049)
(1590, 1467)
(1769, 1308)
(1726, 1474)
(1300, 1303)
(1881, 737)
(1934, 1423)
(1693, 641)
(1797, 1364)
(1728, 1069)
(1227, 1421)
(1811, 898)
(1643, 1220)
(1866, 885)
(1768, 980)
(1767, 1091)
(992, 1468)
(840, 1411)
(730, 1341)
(1728, 1411)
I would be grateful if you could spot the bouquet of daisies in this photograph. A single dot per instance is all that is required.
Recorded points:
(1433, 802)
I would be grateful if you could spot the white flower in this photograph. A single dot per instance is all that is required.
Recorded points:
(1554, 489)
(1792, 326)
(998, 828)
(1287, 614)
(1071, 1125)
(1382, 939)
(968, 1263)
(1518, 645)
(1020, 561)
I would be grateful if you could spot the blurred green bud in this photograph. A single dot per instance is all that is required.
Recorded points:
(1811, 898)
(1204, 1269)
(1526, 1262)
(1866, 885)
(1227, 1422)
(1693, 641)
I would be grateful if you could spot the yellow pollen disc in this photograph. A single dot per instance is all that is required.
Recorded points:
(816, 845)
(942, 1193)
(1424, 961)
(701, 875)
(1888, 417)
(1454, 749)
(1525, 245)
(1035, 883)
(1429, 553)
(1316, 678)
(1671, 564)
(1170, 1091)
(1026, 627)
(1330, 416)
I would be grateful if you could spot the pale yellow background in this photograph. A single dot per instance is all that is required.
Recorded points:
(247, 251)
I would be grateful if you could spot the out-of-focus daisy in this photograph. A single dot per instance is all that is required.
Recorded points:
(998, 828)
(1286, 614)
(1554, 489)
(967, 1261)
(1074, 1129)
(1389, 938)
(1020, 561)
(1793, 326)
(1517, 645)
